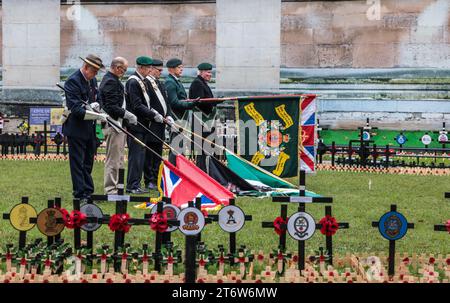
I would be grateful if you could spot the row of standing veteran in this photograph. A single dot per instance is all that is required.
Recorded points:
(144, 98)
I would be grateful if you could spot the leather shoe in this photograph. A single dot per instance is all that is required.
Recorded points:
(137, 191)
(150, 186)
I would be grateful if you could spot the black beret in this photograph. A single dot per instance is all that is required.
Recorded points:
(205, 66)
(157, 62)
(174, 62)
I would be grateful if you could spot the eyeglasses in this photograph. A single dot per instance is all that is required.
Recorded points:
(124, 69)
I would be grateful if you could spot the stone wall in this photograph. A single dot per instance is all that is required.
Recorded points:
(354, 34)
(161, 31)
(316, 34)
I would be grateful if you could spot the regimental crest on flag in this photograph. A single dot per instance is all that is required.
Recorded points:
(272, 138)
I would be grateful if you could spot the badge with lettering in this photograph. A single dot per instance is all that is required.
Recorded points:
(20, 215)
(366, 136)
(91, 210)
(426, 139)
(301, 226)
(171, 212)
(393, 225)
(50, 222)
(191, 220)
(400, 139)
(443, 137)
(231, 218)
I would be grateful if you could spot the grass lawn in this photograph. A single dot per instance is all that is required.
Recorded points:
(419, 198)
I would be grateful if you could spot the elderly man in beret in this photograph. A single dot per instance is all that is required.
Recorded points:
(204, 114)
(138, 102)
(176, 93)
(160, 103)
(79, 128)
(112, 96)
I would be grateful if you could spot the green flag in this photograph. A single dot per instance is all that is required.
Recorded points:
(261, 179)
(268, 131)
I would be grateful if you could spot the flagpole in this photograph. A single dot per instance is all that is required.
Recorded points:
(214, 100)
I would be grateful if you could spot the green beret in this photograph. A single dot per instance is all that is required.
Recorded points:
(174, 62)
(205, 66)
(157, 62)
(144, 60)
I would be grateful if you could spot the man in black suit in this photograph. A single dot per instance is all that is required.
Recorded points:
(204, 115)
(158, 102)
(138, 102)
(112, 96)
(79, 128)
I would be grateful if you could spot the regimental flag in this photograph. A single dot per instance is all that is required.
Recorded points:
(308, 133)
(272, 142)
(186, 182)
(263, 181)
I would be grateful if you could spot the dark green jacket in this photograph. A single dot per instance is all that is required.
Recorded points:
(176, 93)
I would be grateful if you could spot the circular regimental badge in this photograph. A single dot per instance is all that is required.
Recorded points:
(49, 222)
(401, 139)
(301, 226)
(443, 138)
(191, 220)
(231, 218)
(366, 136)
(393, 225)
(171, 212)
(426, 139)
(20, 215)
(91, 210)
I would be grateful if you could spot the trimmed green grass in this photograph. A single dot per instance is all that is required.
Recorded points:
(419, 198)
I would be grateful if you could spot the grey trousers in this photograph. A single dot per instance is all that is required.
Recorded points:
(115, 150)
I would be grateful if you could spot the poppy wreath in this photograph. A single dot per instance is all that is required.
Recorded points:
(158, 222)
(447, 225)
(329, 225)
(119, 222)
(75, 219)
(279, 224)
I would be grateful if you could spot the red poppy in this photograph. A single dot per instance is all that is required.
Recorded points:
(279, 224)
(201, 262)
(447, 225)
(75, 219)
(158, 222)
(119, 222)
(329, 225)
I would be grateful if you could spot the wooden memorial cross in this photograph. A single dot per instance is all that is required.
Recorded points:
(282, 236)
(329, 238)
(120, 235)
(208, 219)
(444, 227)
(171, 257)
(19, 217)
(45, 132)
(50, 222)
(160, 236)
(57, 204)
(280, 257)
(121, 201)
(392, 226)
(192, 221)
(231, 219)
(303, 226)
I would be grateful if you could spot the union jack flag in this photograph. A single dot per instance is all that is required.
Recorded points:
(308, 133)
